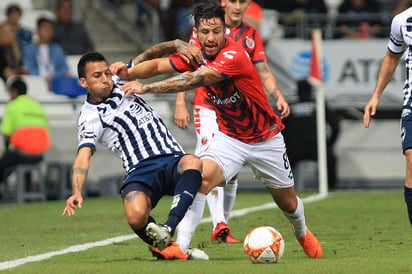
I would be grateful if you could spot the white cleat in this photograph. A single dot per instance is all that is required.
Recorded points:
(160, 234)
(197, 254)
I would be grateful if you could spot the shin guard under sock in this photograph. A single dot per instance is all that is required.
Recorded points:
(185, 192)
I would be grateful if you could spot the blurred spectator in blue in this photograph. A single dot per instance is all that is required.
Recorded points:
(13, 16)
(72, 36)
(45, 57)
(359, 19)
(299, 17)
(11, 62)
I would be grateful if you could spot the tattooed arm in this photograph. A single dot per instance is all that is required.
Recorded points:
(188, 52)
(79, 174)
(204, 76)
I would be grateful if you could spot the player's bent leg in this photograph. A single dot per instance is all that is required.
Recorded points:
(137, 207)
(185, 191)
(212, 176)
(293, 208)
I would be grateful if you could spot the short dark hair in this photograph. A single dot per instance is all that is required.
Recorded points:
(86, 58)
(13, 7)
(207, 10)
(19, 85)
(42, 20)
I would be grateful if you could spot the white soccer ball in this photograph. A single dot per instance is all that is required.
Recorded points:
(264, 244)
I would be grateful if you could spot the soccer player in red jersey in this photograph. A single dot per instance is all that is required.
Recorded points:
(221, 199)
(249, 130)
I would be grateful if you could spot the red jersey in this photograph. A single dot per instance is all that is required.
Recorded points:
(242, 108)
(249, 38)
(246, 36)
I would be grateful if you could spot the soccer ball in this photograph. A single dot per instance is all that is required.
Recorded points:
(264, 244)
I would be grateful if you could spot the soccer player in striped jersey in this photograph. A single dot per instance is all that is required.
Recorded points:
(400, 40)
(249, 130)
(155, 163)
(222, 199)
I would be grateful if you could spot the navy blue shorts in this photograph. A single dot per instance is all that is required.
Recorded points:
(406, 129)
(154, 177)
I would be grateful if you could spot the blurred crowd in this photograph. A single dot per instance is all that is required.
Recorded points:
(44, 50)
(356, 19)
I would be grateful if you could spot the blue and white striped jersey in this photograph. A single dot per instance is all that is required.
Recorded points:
(400, 40)
(127, 126)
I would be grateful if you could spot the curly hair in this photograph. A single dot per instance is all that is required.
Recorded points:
(207, 10)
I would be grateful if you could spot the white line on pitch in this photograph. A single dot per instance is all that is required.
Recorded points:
(82, 247)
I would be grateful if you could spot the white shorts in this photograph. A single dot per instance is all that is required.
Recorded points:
(268, 160)
(205, 126)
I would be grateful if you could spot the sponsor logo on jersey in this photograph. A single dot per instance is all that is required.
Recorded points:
(225, 101)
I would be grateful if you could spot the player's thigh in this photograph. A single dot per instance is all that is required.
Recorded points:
(270, 163)
(212, 176)
(228, 154)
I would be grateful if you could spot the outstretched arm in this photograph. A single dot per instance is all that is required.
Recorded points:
(79, 174)
(187, 52)
(386, 71)
(185, 81)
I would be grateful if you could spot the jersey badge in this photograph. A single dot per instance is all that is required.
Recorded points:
(250, 43)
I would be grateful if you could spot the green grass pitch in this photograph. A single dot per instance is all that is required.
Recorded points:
(361, 232)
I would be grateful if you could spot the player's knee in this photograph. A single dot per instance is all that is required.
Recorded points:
(136, 219)
(192, 162)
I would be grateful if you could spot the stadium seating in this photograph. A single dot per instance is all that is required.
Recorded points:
(27, 184)
(58, 180)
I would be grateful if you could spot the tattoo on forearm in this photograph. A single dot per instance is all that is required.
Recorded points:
(154, 52)
(182, 82)
(79, 170)
(76, 180)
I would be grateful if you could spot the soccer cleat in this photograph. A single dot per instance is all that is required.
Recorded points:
(311, 246)
(197, 254)
(174, 252)
(221, 233)
(231, 239)
(160, 234)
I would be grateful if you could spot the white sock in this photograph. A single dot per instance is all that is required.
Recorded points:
(297, 219)
(229, 198)
(187, 226)
(215, 203)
